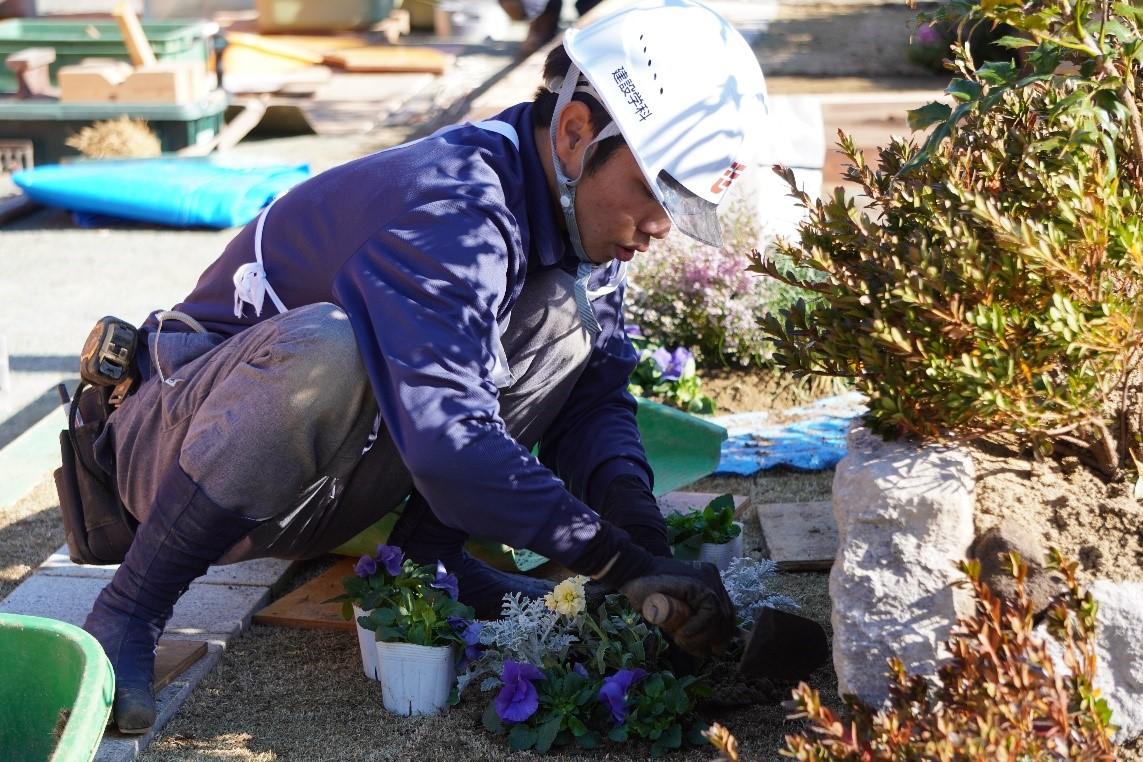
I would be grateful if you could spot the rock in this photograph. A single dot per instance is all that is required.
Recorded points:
(993, 548)
(1119, 653)
(904, 519)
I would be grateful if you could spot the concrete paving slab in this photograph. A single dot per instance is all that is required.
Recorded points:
(206, 611)
(264, 572)
(116, 747)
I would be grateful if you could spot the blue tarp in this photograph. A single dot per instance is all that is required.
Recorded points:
(808, 438)
(175, 192)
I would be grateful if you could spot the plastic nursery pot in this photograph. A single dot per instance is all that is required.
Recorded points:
(415, 679)
(721, 555)
(367, 642)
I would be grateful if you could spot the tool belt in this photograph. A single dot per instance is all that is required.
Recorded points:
(98, 526)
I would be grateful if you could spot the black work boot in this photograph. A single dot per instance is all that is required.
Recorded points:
(183, 535)
(423, 538)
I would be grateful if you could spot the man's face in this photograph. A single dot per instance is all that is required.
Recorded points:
(616, 211)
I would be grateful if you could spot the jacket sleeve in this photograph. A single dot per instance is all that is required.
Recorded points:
(423, 294)
(595, 438)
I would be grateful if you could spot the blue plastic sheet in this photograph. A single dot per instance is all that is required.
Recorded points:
(807, 438)
(175, 192)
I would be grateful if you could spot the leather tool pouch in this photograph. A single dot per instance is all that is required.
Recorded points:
(99, 528)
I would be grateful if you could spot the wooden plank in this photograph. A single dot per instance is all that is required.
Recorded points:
(688, 501)
(174, 657)
(800, 536)
(133, 35)
(303, 607)
(392, 60)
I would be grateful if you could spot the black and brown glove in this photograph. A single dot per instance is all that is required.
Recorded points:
(693, 588)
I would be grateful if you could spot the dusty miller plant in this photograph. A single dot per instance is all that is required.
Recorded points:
(747, 583)
(993, 282)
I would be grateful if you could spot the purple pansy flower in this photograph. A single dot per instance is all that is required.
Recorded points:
(633, 330)
(391, 558)
(613, 693)
(579, 669)
(927, 35)
(366, 566)
(672, 364)
(518, 700)
(445, 581)
(469, 633)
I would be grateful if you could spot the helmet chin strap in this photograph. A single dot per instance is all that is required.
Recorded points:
(565, 186)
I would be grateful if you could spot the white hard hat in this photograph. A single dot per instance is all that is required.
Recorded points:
(685, 89)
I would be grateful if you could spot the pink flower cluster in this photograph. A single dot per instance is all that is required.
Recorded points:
(684, 293)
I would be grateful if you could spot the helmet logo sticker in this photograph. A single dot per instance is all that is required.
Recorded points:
(627, 87)
(728, 177)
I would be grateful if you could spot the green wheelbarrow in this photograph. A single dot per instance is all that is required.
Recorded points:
(680, 448)
(56, 690)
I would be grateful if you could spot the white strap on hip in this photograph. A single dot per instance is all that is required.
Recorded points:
(251, 286)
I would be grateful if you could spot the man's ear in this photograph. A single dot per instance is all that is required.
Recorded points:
(573, 135)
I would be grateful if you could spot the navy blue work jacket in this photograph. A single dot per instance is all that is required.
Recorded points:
(426, 246)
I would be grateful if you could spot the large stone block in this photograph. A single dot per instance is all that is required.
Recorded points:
(904, 519)
(1119, 653)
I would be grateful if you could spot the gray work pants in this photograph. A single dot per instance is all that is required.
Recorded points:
(271, 423)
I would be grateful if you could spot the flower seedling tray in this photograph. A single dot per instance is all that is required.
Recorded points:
(74, 41)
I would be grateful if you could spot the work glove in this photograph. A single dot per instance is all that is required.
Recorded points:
(702, 621)
(629, 504)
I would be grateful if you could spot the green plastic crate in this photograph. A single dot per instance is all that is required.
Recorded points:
(73, 41)
(48, 124)
(56, 690)
(681, 448)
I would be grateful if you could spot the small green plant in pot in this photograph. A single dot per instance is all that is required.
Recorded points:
(420, 628)
(991, 286)
(707, 534)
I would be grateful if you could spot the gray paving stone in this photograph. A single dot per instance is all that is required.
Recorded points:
(206, 609)
(261, 571)
(122, 748)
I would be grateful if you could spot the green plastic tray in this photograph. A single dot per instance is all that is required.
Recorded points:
(681, 448)
(51, 670)
(48, 124)
(172, 40)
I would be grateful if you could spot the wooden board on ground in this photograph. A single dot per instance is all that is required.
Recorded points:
(303, 607)
(393, 60)
(800, 536)
(688, 501)
(174, 657)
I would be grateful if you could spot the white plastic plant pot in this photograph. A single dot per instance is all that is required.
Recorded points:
(415, 680)
(368, 645)
(721, 555)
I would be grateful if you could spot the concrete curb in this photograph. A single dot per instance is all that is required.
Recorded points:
(30, 457)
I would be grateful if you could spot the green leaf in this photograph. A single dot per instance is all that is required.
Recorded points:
(588, 740)
(618, 733)
(521, 737)
(964, 89)
(929, 114)
(491, 719)
(547, 734)
(997, 72)
(1012, 42)
(673, 738)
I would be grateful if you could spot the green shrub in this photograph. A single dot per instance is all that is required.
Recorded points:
(999, 696)
(993, 283)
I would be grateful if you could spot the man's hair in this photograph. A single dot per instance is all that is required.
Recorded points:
(544, 105)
